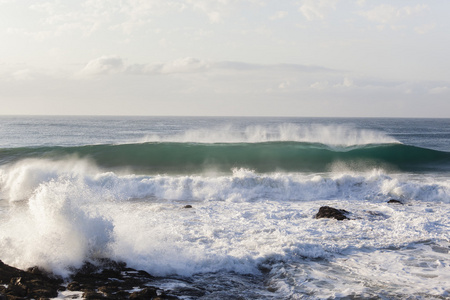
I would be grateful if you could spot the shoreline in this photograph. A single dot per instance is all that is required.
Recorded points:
(106, 279)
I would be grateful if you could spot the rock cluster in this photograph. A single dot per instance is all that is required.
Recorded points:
(105, 280)
(30, 284)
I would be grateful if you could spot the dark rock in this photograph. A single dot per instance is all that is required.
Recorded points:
(187, 206)
(31, 284)
(12, 297)
(394, 201)
(17, 287)
(36, 271)
(165, 297)
(146, 293)
(100, 279)
(43, 293)
(92, 295)
(73, 286)
(88, 268)
(106, 291)
(332, 213)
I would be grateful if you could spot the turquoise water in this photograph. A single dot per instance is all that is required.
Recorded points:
(78, 188)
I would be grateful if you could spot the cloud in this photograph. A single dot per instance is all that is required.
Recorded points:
(25, 74)
(316, 9)
(423, 29)
(439, 90)
(389, 15)
(284, 85)
(279, 15)
(195, 65)
(360, 2)
(216, 10)
(102, 66)
(319, 85)
(183, 65)
(346, 83)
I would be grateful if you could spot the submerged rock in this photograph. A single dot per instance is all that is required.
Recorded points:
(332, 213)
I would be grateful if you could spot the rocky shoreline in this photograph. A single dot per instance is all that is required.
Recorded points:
(106, 279)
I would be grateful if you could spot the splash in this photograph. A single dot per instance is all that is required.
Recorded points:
(332, 135)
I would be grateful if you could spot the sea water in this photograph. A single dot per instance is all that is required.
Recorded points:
(75, 189)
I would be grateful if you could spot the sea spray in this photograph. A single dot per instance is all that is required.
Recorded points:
(56, 227)
(331, 135)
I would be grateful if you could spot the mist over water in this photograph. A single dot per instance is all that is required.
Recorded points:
(66, 204)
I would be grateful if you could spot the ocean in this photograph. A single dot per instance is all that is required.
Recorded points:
(223, 208)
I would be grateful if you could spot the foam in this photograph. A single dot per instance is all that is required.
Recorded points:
(333, 135)
(71, 211)
(48, 223)
(20, 180)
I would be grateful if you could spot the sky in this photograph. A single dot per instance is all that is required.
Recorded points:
(306, 58)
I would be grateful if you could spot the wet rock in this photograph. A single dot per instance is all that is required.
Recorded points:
(332, 213)
(36, 271)
(101, 279)
(147, 293)
(394, 201)
(17, 287)
(73, 286)
(92, 295)
(107, 292)
(31, 284)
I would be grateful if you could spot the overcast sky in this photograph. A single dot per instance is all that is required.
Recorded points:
(345, 58)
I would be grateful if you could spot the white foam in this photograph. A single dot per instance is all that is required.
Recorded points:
(237, 222)
(333, 135)
(52, 226)
(19, 180)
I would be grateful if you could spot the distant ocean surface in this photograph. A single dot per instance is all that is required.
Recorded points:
(75, 189)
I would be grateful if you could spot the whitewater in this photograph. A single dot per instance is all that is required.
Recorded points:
(225, 206)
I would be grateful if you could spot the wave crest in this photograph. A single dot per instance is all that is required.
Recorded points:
(332, 135)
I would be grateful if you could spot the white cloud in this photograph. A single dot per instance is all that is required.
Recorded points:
(183, 65)
(439, 90)
(423, 29)
(195, 65)
(279, 15)
(102, 66)
(319, 85)
(346, 83)
(317, 9)
(284, 85)
(389, 14)
(24, 74)
(381, 14)
(214, 9)
(360, 2)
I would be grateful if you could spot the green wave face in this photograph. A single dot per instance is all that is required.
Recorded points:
(261, 157)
